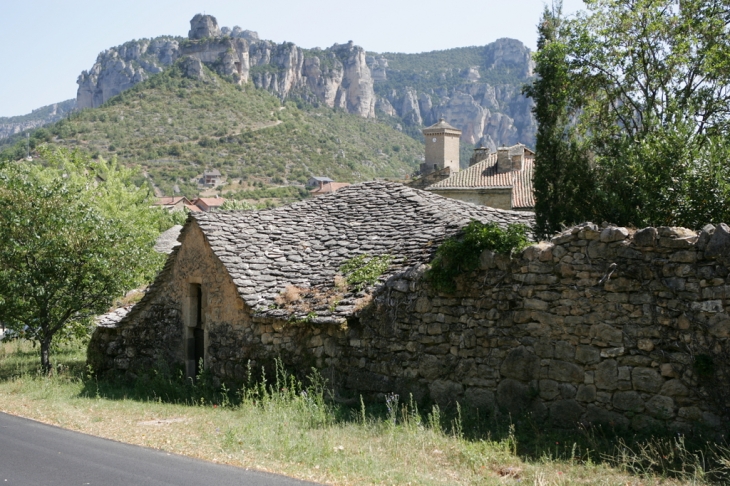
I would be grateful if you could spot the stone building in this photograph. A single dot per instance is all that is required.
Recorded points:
(500, 180)
(442, 148)
(600, 325)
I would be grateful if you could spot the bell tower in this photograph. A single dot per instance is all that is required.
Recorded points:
(442, 147)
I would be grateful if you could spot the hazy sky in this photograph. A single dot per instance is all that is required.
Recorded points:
(45, 44)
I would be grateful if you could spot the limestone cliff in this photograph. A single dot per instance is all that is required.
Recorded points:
(337, 76)
(477, 89)
(37, 118)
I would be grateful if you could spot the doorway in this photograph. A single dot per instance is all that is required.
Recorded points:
(195, 355)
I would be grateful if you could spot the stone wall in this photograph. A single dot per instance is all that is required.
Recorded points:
(599, 325)
(500, 198)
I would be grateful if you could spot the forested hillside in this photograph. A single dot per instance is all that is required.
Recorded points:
(173, 127)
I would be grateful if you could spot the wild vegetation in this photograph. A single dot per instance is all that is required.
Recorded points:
(173, 128)
(285, 426)
(74, 235)
(632, 106)
(460, 254)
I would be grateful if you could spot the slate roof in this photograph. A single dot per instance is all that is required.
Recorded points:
(303, 244)
(321, 179)
(483, 175)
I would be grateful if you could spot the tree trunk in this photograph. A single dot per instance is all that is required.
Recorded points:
(46, 355)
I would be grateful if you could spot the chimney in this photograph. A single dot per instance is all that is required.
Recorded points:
(517, 154)
(504, 161)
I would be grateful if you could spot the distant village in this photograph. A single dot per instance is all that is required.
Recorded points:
(501, 179)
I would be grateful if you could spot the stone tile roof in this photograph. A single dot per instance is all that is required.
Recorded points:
(304, 244)
(483, 175)
(168, 240)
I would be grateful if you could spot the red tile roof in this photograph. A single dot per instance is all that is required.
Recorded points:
(193, 208)
(328, 187)
(170, 200)
(210, 201)
(483, 175)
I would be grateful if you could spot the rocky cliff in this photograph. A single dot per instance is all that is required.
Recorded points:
(477, 89)
(37, 118)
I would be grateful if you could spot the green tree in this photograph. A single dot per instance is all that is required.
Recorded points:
(653, 85)
(74, 234)
(563, 181)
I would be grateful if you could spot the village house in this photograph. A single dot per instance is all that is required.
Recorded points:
(317, 181)
(583, 329)
(208, 203)
(173, 203)
(328, 188)
(212, 177)
(500, 180)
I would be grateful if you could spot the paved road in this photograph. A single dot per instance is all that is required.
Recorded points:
(32, 453)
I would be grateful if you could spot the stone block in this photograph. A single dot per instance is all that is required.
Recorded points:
(660, 407)
(719, 244)
(646, 379)
(646, 237)
(674, 388)
(606, 333)
(513, 397)
(536, 304)
(423, 305)
(430, 367)
(586, 393)
(596, 415)
(629, 401)
(612, 233)
(645, 345)
(564, 351)
(566, 414)
(521, 364)
(612, 352)
(567, 390)
(486, 260)
(479, 398)
(719, 325)
(641, 422)
(565, 371)
(705, 235)
(445, 393)
(587, 354)
(690, 414)
(549, 389)
(606, 375)
(711, 306)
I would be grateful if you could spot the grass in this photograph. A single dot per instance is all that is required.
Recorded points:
(286, 428)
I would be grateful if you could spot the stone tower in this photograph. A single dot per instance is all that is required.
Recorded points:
(442, 147)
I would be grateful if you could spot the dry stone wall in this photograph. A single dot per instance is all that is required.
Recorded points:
(601, 325)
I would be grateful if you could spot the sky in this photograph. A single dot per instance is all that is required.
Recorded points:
(45, 44)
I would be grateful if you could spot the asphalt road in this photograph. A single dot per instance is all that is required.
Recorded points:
(32, 453)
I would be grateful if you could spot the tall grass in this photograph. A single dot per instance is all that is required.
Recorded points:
(279, 423)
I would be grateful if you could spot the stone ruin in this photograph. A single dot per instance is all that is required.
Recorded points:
(599, 325)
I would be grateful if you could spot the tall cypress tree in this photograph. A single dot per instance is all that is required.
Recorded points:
(562, 180)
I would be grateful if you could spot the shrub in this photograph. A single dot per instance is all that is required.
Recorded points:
(460, 254)
(364, 270)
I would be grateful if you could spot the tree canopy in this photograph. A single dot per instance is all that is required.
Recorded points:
(645, 104)
(74, 235)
